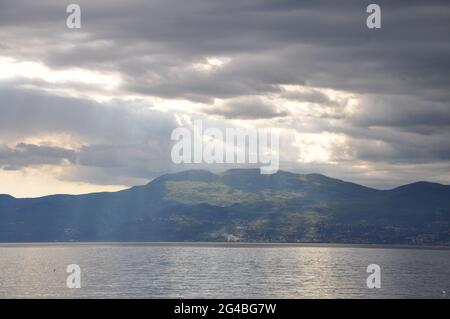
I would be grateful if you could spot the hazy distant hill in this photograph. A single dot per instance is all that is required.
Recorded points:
(236, 205)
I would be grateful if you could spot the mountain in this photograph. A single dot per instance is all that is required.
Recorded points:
(237, 205)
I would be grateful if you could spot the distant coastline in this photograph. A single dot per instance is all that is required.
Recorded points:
(220, 245)
(239, 205)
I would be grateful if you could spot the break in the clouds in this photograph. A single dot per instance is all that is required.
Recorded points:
(96, 105)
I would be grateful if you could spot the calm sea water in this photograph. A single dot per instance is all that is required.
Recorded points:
(222, 272)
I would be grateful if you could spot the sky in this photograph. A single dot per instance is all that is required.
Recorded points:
(92, 109)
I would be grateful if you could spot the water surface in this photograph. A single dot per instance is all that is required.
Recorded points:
(209, 271)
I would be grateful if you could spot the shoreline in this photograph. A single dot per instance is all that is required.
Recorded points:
(219, 245)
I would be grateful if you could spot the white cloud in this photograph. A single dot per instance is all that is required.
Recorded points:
(14, 70)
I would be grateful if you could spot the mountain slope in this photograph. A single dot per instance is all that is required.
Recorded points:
(240, 205)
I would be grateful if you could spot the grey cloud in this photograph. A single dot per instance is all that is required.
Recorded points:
(23, 155)
(403, 112)
(99, 164)
(125, 164)
(126, 140)
(312, 96)
(322, 43)
(387, 129)
(413, 150)
(247, 109)
(401, 72)
(27, 113)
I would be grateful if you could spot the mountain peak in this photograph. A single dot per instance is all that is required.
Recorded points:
(239, 171)
(253, 172)
(421, 185)
(6, 196)
(191, 175)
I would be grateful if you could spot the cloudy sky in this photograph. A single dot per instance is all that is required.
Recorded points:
(92, 109)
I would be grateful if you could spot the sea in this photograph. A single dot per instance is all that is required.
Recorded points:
(212, 270)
